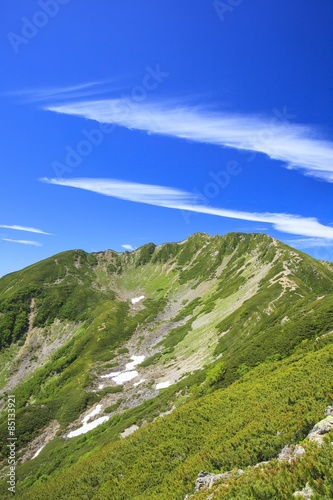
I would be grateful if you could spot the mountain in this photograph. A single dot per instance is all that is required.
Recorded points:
(228, 338)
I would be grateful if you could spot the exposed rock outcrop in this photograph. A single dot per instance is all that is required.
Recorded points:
(291, 453)
(321, 428)
(306, 492)
(206, 480)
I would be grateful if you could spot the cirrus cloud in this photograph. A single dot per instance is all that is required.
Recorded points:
(177, 199)
(24, 228)
(297, 146)
(23, 242)
(128, 247)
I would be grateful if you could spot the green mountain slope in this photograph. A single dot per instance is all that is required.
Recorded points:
(197, 317)
(246, 423)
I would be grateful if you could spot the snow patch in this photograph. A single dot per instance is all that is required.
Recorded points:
(140, 382)
(163, 385)
(38, 451)
(125, 377)
(88, 427)
(111, 375)
(135, 300)
(136, 360)
(92, 414)
(128, 374)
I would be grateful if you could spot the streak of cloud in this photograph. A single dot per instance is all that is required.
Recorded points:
(297, 146)
(162, 196)
(23, 242)
(24, 228)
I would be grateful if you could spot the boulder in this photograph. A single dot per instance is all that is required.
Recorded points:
(321, 428)
(306, 492)
(205, 480)
(291, 453)
(328, 411)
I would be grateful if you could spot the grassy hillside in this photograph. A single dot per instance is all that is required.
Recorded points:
(222, 319)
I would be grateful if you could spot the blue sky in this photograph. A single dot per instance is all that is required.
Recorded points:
(141, 120)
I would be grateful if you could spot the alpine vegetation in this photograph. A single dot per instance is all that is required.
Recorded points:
(169, 371)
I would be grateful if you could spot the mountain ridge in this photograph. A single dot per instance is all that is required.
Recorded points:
(104, 332)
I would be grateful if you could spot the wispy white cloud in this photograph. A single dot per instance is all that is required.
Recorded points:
(298, 146)
(311, 243)
(181, 200)
(23, 242)
(24, 228)
(128, 247)
(55, 94)
(47, 92)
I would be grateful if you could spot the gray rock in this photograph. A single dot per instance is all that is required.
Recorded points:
(299, 451)
(291, 453)
(320, 429)
(328, 411)
(261, 464)
(285, 453)
(206, 480)
(306, 492)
